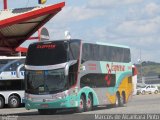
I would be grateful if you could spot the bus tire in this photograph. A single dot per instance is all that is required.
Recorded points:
(42, 111)
(1, 102)
(118, 100)
(82, 104)
(123, 103)
(89, 103)
(13, 101)
(46, 111)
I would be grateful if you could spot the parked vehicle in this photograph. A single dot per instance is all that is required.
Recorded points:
(11, 81)
(138, 91)
(149, 89)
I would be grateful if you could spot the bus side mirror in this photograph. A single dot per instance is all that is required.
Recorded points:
(18, 70)
(66, 69)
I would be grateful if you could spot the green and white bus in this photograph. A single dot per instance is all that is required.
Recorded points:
(75, 74)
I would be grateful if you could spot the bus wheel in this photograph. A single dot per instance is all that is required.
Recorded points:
(1, 102)
(123, 101)
(14, 101)
(82, 104)
(118, 101)
(89, 103)
(46, 111)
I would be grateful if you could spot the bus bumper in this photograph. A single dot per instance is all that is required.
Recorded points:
(58, 104)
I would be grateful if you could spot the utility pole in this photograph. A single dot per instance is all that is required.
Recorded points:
(5, 4)
(143, 82)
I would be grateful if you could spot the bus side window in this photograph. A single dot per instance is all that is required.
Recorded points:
(73, 69)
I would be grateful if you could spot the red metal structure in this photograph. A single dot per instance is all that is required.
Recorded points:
(24, 49)
(5, 4)
(17, 25)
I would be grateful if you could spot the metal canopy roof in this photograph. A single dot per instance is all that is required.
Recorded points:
(17, 25)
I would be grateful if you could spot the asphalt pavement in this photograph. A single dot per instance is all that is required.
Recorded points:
(148, 105)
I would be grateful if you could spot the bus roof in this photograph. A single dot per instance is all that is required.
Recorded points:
(98, 43)
(107, 44)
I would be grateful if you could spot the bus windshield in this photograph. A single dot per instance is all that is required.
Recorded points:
(52, 53)
(45, 53)
(48, 81)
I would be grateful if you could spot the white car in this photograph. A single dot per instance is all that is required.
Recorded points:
(149, 89)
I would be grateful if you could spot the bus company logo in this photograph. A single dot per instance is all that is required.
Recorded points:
(50, 46)
(118, 68)
(108, 77)
(111, 68)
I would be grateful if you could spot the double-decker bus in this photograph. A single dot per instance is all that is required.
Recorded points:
(11, 82)
(76, 74)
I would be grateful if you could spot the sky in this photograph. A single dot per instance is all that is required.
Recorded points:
(135, 23)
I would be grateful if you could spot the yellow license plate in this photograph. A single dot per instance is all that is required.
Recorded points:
(39, 72)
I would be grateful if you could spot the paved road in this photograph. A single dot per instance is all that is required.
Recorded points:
(140, 104)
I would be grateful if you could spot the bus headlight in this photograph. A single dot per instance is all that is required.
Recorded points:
(61, 95)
